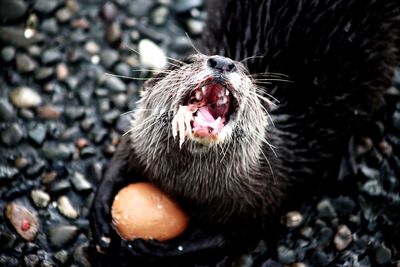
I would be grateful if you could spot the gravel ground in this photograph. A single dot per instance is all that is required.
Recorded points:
(60, 121)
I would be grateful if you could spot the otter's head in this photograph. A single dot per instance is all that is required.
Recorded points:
(202, 102)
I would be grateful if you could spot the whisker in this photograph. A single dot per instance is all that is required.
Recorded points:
(191, 43)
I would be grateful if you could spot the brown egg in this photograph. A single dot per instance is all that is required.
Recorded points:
(141, 210)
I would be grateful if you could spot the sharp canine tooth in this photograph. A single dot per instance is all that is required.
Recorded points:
(226, 92)
(204, 89)
(198, 95)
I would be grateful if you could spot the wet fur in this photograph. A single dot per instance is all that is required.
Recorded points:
(339, 56)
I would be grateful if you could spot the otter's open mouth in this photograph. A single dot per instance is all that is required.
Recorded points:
(208, 109)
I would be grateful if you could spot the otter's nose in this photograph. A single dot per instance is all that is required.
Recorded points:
(222, 64)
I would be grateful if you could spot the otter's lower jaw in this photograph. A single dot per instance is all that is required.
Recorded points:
(206, 114)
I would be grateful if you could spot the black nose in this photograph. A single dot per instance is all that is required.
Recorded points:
(222, 64)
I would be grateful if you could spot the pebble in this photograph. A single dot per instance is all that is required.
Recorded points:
(159, 15)
(195, 26)
(186, 5)
(120, 101)
(48, 112)
(31, 260)
(44, 73)
(37, 134)
(292, 219)
(24, 221)
(40, 198)
(36, 168)
(12, 135)
(24, 63)
(108, 57)
(61, 235)
(109, 11)
(7, 173)
(115, 84)
(63, 15)
(51, 56)
(111, 116)
(61, 256)
(325, 209)
(6, 110)
(113, 33)
(50, 26)
(57, 152)
(58, 187)
(46, 6)
(139, 8)
(74, 113)
(152, 55)
(65, 207)
(8, 53)
(92, 48)
(25, 97)
(286, 255)
(8, 261)
(81, 255)
(80, 183)
(342, 238)
(123, 69)
(373, 188)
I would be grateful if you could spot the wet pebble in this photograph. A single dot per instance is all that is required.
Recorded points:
(46, 6)
(140, 8)
(325, 209)
(50, 26)
(43, 73)
(115, 84)
(292, 219)
(7, 173)
(65, 207)
(25, 97)
(186, 5)
(342, 238)
(25, 64)
(35, 169)
(81, 255)
(23, 220)
(372, 188)
(40, 198)
(195, 26)
(12, 135)
(74, 113)
(37, 134)
(63, 15)
(7, 53)
(88, 152)
(6, 110)
(51, 56)
(92, 48)
(160, 15)
(8, 261)
(108, 57)
(113, 33)
(48, 112)
(31, 260)
(151, 55)
(58, 187)
(109, 11)
(111, 116)
(61, 235)
(286, 255)
(61, 256)
(57, 151)
(62, 71)
(80, 183)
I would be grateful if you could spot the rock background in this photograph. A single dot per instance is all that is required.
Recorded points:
(60, 122)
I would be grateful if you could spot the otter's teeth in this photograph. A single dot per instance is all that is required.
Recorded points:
(227, 92)
(204, 89)
(222, 100)
(181, 124)
(198, 95)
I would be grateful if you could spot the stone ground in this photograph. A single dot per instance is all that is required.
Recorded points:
(60, 121)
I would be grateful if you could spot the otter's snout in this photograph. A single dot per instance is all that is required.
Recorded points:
(221, 64)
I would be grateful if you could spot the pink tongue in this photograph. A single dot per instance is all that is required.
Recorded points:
(205, 115)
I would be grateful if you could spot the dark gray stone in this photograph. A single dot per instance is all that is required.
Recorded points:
(61, 256)
(382, 255)
(61, 235)
(46, 6)
(8, 53)
(44, 73)
(123, 69)
(325, 209)
(25, 63)
(108, 57)
(115, 84)
(12, 135)
(186, 5)
(7, 173)
(36, 168)
(80, 183)
(12, 10)
(111, 116)
(50, 26)
(59, 186)
(140, 8)
(7, 239)
(74, 112)
(57, 152)
(51, 56)
(6, 110)
(286, 255)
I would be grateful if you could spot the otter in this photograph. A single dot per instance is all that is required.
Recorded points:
(259, 118)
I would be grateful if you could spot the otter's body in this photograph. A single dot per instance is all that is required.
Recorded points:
(229, 139)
